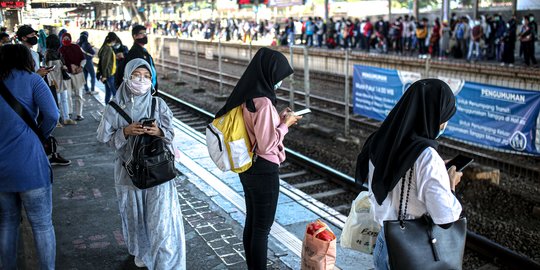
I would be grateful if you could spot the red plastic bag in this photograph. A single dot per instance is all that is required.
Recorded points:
(318, 247)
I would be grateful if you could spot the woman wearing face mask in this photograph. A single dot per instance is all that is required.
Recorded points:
(121, 51)
(255, 92)
(107, 65)
(151, 218)
(405, 147)
(74, 61)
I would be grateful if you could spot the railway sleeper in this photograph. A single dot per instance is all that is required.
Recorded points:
(329, 193)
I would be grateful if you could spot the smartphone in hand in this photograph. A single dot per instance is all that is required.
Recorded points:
(302, 112)
(148, 122)
(460, 161)
(50, 68)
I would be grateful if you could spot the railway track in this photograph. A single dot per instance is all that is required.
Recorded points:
(331, 191)
(506, 162)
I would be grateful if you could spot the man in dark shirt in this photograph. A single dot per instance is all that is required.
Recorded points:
(138, 51)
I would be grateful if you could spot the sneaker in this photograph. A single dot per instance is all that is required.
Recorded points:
(91, 92)
(139, 263)
(58, 125)
(56, 159)
(69, 122)
(79, 118)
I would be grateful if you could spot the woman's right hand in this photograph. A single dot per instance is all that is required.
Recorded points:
(290, 119)
(455, 177)
(133, 129)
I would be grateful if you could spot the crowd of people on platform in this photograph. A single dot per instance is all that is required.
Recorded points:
(486, 38)
(47, 80)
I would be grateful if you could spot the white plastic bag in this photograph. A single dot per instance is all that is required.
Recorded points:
(360, 230)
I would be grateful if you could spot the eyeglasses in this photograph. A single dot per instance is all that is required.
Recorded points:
(140, 77)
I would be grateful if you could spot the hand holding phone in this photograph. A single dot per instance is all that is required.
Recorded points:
(50, 68)
(460, 161)
(302, 112)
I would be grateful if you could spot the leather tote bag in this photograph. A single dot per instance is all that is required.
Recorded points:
(421, 244)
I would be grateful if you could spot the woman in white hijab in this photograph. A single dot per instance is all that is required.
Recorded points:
(151, 218)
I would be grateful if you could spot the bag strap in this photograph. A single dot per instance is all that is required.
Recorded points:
(20, 110)
(403, 214)
(120, 111)
(153, 107)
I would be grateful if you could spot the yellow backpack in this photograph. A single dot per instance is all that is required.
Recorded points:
(228, 142)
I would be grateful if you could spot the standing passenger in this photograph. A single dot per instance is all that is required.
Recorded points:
(138, 51)
(405, 145)
(88, 68)
(151, 218)
(25, 172)
(107, 66)
(74, 60)
(255, 91)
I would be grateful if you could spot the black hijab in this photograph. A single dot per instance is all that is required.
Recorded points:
(411, 126)
(267, 68)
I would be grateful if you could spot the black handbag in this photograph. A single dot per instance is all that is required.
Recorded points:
(421, 244)
(49, 144)
(151, 162)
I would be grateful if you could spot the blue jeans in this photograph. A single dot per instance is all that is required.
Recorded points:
(110, 90)
(89, 71)
(38, 206)
(380, 253)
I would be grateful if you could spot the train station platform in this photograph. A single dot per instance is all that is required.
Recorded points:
(87, 221)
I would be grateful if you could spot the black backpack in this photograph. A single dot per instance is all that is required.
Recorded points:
(151, 162)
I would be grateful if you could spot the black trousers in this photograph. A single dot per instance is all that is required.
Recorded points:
(261, 191)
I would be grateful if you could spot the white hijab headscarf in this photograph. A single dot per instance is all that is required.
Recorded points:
(137, 107)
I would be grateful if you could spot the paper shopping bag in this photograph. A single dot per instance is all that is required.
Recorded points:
(318, 247)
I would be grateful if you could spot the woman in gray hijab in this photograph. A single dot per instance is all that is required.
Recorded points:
(151, 218)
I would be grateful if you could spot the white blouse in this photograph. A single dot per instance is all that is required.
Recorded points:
(430, 193)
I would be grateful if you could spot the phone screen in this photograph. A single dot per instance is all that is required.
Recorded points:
(460, 161)
(302, 112)
(148, 122)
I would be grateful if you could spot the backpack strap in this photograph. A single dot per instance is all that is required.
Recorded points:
(121, 112)
(153, 107)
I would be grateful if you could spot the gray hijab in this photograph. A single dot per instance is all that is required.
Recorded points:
(137, 107)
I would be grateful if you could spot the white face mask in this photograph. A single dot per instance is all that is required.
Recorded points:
(277, 85)
(441, 131)
(139, 87)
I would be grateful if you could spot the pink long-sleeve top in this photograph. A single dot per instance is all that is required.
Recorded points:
(265, 128)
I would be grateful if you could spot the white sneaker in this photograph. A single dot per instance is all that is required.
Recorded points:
(139, 263)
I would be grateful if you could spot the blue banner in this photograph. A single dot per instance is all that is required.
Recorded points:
(490, 116)
(499, 117)
(377, 90)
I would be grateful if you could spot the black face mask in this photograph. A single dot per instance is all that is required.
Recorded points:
(32, 40)
(143, 40)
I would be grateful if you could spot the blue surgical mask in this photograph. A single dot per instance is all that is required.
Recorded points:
(441, 132)
(277, 85)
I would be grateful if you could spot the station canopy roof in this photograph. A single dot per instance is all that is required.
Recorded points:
(69, 4)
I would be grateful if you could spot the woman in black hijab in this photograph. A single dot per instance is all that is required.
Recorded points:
(255, 92)
(405, 146)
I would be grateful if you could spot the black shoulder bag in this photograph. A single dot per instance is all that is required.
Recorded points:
(151, 162)
(49, 144)
(421, 244)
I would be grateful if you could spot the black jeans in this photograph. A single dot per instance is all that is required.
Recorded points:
(261, 190)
